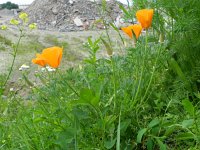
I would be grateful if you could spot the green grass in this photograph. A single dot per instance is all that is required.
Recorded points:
(147, 98)
(50, 39)
(30, 47)
(5, 41)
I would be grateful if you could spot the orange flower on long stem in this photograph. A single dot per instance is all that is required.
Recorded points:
(51, 56)
(145, 17)
(136, 28)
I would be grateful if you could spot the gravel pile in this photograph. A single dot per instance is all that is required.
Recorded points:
(70, 15)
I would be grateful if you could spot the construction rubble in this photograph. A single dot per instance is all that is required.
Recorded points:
(72, 15)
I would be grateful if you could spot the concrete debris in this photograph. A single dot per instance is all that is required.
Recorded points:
(71, 15)
(78, 22)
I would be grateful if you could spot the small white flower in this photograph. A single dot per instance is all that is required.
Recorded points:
(11, 89)
(49, 69)
(24, 67)
(43, 69)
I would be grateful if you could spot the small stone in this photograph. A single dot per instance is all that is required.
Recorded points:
(54, 22)
(55, 10)
(78, 22)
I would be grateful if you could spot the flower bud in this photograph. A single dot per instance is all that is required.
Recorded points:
(14, 22)
(23, 16)
(4, 27)
(32, 26)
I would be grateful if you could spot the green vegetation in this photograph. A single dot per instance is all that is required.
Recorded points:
(31, 46)
(5, 41)
(9, 5)
(51, 39)
(147, 98)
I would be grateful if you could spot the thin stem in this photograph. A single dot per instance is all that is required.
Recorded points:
(69, 85)
(75, 136)
(154, 68)
(114, 80)
(195, 122)
(142, 72)
(14, 58)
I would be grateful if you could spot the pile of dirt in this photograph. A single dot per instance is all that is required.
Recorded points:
(6, 12)
(70, 15)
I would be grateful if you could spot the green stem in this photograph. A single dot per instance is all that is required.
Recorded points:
(14, 58)
(154, 68)
(114, 82)
(196, 124)
(142, 72)
(172, 29)
(69, 85)
(75, 136)
(118, 132)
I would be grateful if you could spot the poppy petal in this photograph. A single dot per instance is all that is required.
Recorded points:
(53, 56)
(39, 60)
(145, 17)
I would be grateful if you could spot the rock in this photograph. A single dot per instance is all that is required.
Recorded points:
(55, 10)
(78, 22)
(53, 23)
(71, 2)
(119, 22)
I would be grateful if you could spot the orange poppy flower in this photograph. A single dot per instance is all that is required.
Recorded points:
(51, 56)
(145, 17)
(136, 28)
(39, 60)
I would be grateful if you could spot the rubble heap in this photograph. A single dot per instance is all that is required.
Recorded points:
(69, 15)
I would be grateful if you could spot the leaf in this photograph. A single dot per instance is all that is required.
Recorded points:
(140, 134)
(116, 29)
(87, 96)
(40, 119)
(188, 106)
(104, 3)
(65, 137)
(109, 144)
(185, 136)
(79, 113)
(177, 69)
(197, 95)
(118, 133)
(108, 47)
(149, 144)
(123, 9)
(90, 41)
(187, 123)
(124, 125)
(161, 144)
(109, 120)
(170, 130)
(154, 123)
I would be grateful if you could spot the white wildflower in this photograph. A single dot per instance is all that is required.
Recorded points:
(24, 67)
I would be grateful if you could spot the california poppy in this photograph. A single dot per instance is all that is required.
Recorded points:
(51, 56)
(145, 17)
(136, 28)
(39, 60)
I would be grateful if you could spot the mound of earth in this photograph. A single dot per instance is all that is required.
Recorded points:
(6, 12)
(70, 15)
